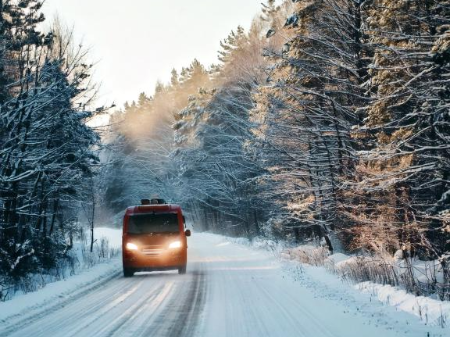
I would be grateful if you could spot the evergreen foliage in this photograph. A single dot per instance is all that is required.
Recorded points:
(47, 153)
(328, 119)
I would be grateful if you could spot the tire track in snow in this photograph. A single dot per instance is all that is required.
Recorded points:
(180, 316)
(92, 305)
(93, 316)
(148, 306)
(41, 312)
(305, 331)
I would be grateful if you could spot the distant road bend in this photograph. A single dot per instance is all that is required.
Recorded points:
(229, 291)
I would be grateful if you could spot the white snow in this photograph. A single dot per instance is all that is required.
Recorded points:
(84, 261)
(231, 290)
(254, 293)
(54, 292)
(429, 311)
(338, 257)
(114, 236)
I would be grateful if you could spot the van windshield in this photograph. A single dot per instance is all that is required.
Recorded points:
(150, 223)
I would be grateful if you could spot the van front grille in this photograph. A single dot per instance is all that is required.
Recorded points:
(152, 251)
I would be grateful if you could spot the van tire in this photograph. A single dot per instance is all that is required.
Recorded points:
(128, 272)
(182, 270)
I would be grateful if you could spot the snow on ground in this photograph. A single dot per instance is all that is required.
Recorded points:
(87, 274)
(231, 289)
(56, 291)
(114, 236)
(297, 290)
(429, 311)
(387, 305)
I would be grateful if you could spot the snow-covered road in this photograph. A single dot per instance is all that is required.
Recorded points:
(229, 291)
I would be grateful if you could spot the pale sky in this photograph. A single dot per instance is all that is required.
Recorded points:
(137, 42)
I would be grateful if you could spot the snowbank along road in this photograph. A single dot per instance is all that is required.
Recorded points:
(229, 291)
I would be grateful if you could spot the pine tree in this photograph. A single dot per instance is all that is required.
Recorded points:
(307, 111)
(404, 173)
(46, 151)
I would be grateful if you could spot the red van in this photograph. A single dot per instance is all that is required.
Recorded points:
(154, 238)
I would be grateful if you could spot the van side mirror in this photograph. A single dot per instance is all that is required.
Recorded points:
(187, 232)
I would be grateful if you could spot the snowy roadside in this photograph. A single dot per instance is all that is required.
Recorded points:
(86, 276)
(56, 292)
(365, 303)
(428, 310)
(325, 283)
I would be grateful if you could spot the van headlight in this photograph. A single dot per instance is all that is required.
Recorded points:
(131, 246)
(175, 244)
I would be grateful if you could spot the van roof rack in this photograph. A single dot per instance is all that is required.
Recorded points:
(154, 201)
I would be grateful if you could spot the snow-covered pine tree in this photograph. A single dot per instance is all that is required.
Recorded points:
(141, 140)
(46, 150)
(307, 110)
(404, 174)
(216, 174)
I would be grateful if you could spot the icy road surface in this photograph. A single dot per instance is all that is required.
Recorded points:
(229, 291)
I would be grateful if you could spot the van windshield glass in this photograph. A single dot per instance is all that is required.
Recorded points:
(153, 223)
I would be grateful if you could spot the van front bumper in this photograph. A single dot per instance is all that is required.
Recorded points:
(164, 260)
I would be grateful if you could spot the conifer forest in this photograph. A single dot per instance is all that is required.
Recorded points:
(326, 122)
